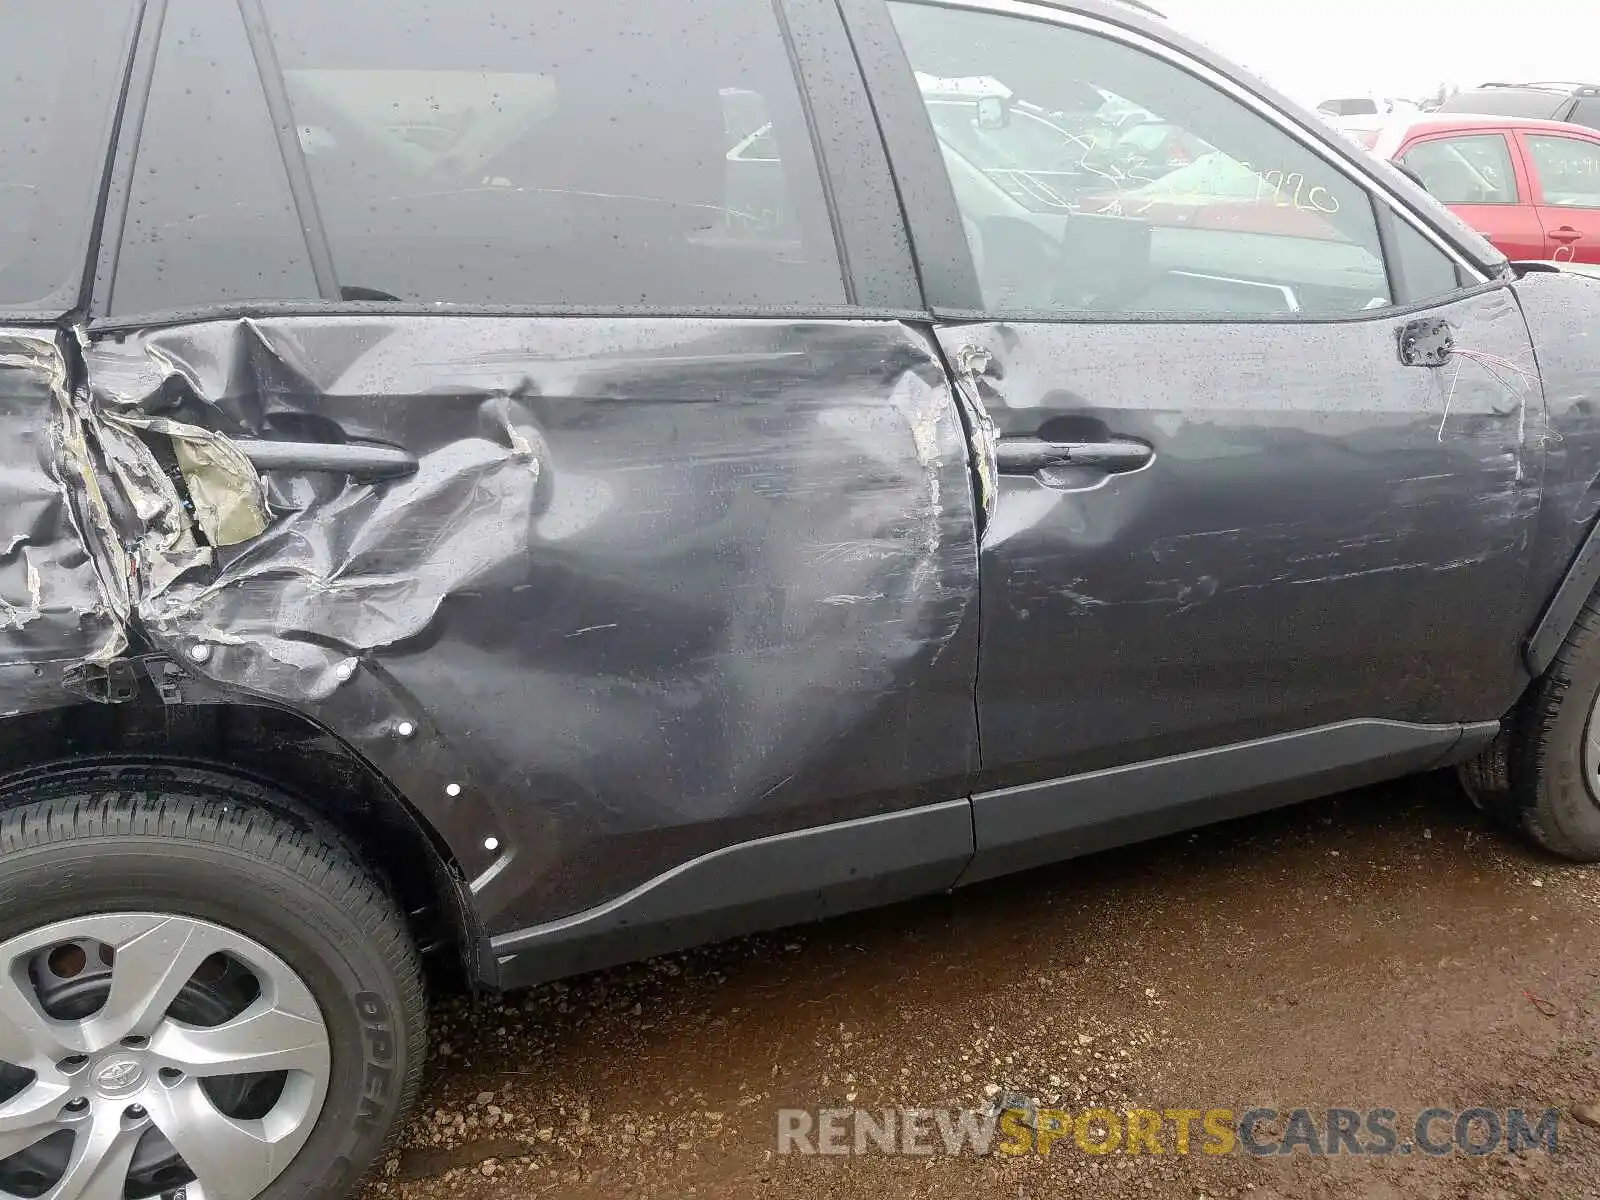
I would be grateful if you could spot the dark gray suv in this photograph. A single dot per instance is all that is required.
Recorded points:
(537, 486)
(1578, 103)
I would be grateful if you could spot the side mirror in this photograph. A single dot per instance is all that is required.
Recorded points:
(993, 113)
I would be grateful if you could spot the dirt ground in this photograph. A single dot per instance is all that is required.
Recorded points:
(1384, 948)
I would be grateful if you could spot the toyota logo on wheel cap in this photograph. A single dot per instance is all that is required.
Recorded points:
(118, 1075)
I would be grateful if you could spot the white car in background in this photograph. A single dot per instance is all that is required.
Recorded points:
(1363, 118)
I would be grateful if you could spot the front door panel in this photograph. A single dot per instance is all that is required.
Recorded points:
(1321, 532)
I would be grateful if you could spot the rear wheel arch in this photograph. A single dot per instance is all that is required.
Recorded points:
(288, 764)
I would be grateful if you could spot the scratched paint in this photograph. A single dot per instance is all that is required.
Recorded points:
(1304, 548)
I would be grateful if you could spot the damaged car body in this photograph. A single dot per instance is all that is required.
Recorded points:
(532, 502)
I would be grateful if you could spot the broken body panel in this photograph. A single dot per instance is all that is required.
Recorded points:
(654, 586)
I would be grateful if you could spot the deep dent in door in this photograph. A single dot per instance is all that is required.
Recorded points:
(654, 587)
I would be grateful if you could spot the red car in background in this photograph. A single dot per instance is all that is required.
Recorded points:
(1531, 187)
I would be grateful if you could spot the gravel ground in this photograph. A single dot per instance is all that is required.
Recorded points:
(1380, 949)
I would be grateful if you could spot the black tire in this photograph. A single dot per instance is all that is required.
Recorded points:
(203, 845)
(1556, 795)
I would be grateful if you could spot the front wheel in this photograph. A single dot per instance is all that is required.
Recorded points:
(1555, 748)
(199, 995)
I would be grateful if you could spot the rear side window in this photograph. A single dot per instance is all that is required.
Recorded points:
(1569, 169)
(60, 72)
(599, 152)
(1465, 170)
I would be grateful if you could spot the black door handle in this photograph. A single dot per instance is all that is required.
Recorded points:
(1026, 456)
(335, 458)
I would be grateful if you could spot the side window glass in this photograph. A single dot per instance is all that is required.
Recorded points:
(210, 219)
(1425, 271)
(571, 152)
(1095, 178)
(1569, 169)
(1587, 112)
(1465, 170)
(60, 68)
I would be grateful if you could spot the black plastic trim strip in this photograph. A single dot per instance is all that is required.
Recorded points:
(808, 106)
(763, 884)
(1388, 245)
(129, 322)
(868, 223)
(938, 237)
(1561, 614)
(815, 873)
(1018, 828)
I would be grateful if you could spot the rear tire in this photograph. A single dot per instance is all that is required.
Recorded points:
(105, 870)
(1555, 749)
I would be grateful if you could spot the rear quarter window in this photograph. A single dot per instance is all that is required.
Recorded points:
(61, 67)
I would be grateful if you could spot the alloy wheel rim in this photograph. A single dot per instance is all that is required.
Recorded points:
(143, 1053)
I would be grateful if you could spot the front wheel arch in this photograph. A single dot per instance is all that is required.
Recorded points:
(300, 764)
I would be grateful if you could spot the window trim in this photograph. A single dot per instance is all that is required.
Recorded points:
(938, 237)
(1512, 151)
(124, 158)
(871, 244)
(235, 310)
(920, 168)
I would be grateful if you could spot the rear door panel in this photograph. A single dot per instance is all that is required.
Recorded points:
(694, 572)
(656, 585)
